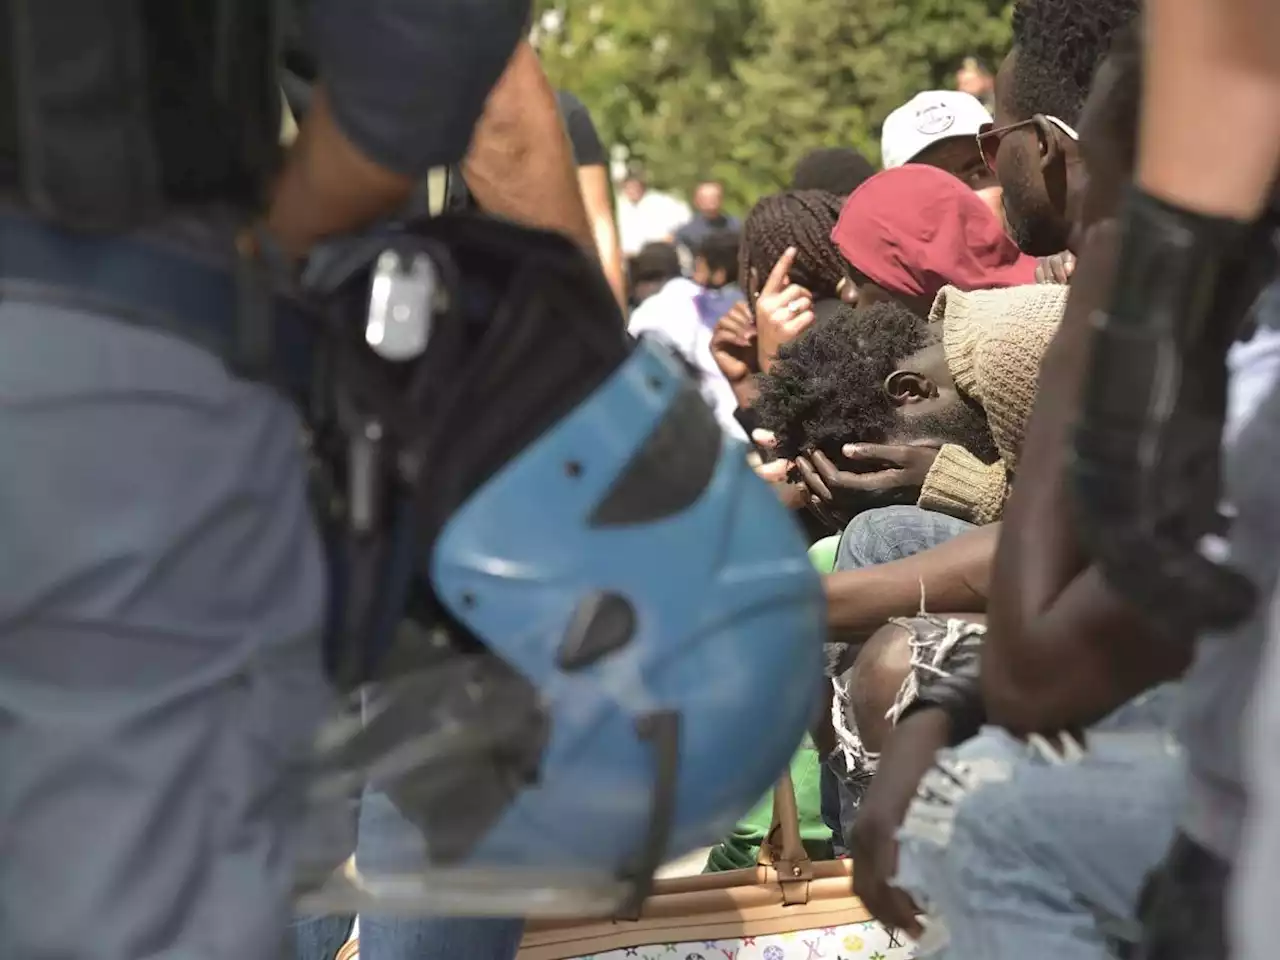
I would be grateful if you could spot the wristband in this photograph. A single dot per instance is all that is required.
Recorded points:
(1147, 446)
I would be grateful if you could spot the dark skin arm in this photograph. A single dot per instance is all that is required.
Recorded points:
(1063, 650)
(908, 754)
(953, 576)
(597, 195)
(1211, 67)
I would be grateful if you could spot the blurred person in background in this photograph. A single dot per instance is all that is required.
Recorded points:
(597, 193)
(684, 313)
(974, 78)
(656, 265)
(838, 170)
(708, 216)
(647, 216)
(939, 129)
(715, 271)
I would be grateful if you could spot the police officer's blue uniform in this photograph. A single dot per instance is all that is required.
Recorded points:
(161, 583)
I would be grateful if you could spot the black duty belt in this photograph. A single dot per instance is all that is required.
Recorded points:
(229, 310)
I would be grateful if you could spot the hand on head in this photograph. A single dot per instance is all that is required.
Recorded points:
(880, 476)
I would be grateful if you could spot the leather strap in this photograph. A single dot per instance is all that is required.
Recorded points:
(783, 849)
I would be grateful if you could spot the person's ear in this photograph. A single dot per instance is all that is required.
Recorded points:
(1052, 149)
(906, 387)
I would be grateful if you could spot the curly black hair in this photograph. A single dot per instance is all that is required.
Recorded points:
(655, 261)
(1060, 44)
(826, 387)
(802, 219)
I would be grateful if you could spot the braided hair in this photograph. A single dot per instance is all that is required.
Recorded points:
(802, 219)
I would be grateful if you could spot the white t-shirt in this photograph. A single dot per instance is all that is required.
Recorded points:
(672, 315)
(654, 218)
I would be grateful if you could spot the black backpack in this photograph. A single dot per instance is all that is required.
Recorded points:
(524, 329)
(86, 141)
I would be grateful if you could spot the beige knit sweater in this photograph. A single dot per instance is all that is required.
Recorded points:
(994, 341)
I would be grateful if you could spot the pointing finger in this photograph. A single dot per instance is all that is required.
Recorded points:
(778, 276)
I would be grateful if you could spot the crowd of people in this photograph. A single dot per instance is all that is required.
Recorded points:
(886, 343)
(514, 610)
(885, 340)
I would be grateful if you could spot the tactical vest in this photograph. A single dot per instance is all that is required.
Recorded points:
(115, 111)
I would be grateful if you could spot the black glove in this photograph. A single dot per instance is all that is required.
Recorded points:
(1147, 449)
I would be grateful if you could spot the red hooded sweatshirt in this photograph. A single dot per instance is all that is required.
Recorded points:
(916, 229)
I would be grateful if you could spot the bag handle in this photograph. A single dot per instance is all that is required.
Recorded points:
(783, 849)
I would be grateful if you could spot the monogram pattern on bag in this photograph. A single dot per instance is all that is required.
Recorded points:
(857, 941)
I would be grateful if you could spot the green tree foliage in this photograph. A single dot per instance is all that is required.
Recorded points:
(740, 89)
(657, 75)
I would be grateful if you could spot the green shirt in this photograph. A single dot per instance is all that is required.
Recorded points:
(740, 849)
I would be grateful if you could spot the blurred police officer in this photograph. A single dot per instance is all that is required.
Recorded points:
(161, 586)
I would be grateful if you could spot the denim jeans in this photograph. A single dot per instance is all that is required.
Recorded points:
(431, 938)
(831, 793)
(385, 837)
(872, 538)
(320, 938)
(895, 533)
(382, 938)
(1020, 856)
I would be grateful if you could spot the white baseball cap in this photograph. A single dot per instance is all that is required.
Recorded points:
(927, 118)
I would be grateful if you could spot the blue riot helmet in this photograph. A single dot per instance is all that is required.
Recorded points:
(605, 638)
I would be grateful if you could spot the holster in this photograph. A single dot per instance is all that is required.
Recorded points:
(528, 330)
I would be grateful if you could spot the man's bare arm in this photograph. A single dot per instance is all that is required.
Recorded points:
(520, 166)
(952, 576)
(1212, 76)
(404, 83)
(329, 186)
(1064, 649)
(598, 198)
